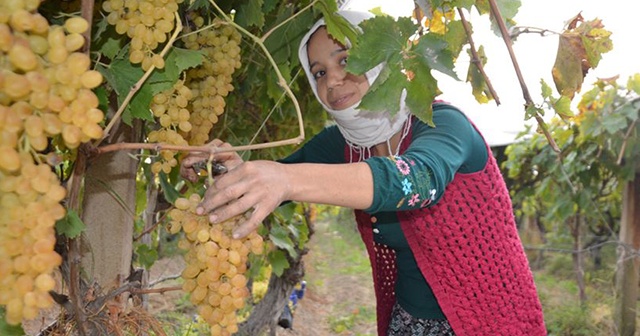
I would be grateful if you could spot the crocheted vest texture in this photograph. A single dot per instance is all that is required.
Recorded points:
(468, 249)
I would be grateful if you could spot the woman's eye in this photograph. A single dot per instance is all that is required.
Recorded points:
(343, 61)
(318, 74)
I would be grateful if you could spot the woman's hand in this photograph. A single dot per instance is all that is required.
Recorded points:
(228, 159)
(261, 185)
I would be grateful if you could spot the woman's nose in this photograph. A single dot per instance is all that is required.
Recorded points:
(335, 77)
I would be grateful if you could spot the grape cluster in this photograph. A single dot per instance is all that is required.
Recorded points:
(29, 208)
(211, 82)
(45, 93)
(147, 23)
(170, 108)
(215, 274)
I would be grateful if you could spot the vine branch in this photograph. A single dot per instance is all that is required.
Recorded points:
(155, 290)
(525, 90)
(476, 58)
(139, 83)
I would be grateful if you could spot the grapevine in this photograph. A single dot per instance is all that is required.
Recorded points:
(45, 94)
(215, 274)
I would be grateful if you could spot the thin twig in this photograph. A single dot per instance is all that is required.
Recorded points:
(161, 280)
(627, 135)
(525, 91)
(155, 290)
(138, 85)
(266, 35)
(476, 58)
(152, 227)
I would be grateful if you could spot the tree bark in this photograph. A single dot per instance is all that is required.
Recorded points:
(109, 213)
(628, 261)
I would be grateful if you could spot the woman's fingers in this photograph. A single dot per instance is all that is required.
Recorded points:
(252, 223)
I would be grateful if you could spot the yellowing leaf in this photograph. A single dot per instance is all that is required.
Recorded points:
(570, 66)
(480, 89)
(633, 83)
(580, 49)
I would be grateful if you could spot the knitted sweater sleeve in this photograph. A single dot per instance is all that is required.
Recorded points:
(419, 176)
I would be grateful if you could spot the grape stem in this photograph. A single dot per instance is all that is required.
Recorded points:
(266, 35)
(525, 90)
(476, 58)
(141, 81)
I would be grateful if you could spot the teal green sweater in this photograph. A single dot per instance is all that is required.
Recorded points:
(414, 179)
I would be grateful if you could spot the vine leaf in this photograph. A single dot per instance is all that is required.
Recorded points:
(171, 194)
(71, 225)
(278, 261)
(250, 14)
(580, 49)
(479, 87)
(7, 329)
(147, 255)
(407, 65)
(337, 26)
(633, 83)
(122, 76)
(279, 236)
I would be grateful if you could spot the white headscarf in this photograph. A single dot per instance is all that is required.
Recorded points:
(362, 129)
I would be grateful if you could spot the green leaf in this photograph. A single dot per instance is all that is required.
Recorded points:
(147, 256)
(633, 83)
(562, 106)
(546, 89)
(434, 53)
(122, 76)
(170, 192)
(421, 90)
(383, 39)
(71, 225)
(613, 123)
(287, 211)
(106, 40)
(456, 37)
(198, 4)
(103, 97)
(177, 61)
(337, 26)
(385, 93)
(278, 261)
(280, 237)
(250, 14)
(7, 329)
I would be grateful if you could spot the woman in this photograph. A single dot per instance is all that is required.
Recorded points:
(431, 205)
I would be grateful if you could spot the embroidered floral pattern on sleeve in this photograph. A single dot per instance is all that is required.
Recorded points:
(415, 181)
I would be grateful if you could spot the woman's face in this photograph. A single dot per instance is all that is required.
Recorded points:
(327, 59)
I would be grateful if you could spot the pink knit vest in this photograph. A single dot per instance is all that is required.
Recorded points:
(468, 249)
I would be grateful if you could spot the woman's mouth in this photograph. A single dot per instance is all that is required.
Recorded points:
(341, 102)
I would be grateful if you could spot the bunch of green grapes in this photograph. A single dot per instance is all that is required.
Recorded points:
(29, 208)
(212, 81)
(215, 274)
(45, 93)
(147, 23)
(170, 109)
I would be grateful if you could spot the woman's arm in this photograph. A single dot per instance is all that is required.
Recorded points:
(264, 185)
